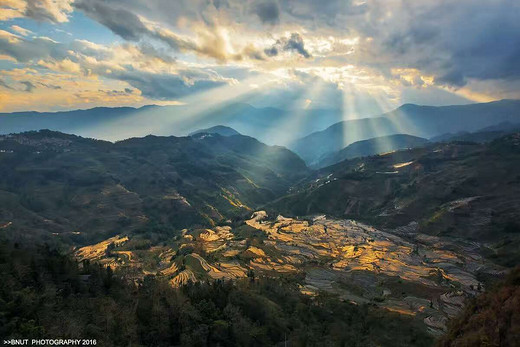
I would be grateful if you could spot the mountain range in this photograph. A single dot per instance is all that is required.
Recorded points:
(269, 125)
(372, 146)
(313, 134)
(85, 190)
(422, 121)
(483, 135)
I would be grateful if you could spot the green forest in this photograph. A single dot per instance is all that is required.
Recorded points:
(44, 293)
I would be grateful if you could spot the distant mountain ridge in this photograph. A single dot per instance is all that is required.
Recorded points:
(483, 135)
(218, 129)
(373, 146)
(422, 121)
(269, 125)
(312, 133)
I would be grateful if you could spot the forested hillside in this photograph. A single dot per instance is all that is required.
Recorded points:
(45, 294)
(59, 186)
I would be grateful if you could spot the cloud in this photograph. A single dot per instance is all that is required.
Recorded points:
(127, 63)
(25, 50)
(268, 12)
(54, 11)
(8, 37)
(5, 85)
(20, 30)
(56, 91)
(50, 86)
(293, 43)
(10, 9)
(173, 48)
(166, 86)
(65, 65)
(333, 13)
(29, 87)
(210, 42)
(114, 92)
(121, 21)
(454, 41)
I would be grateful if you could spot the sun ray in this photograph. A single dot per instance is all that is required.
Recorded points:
(297, 117)
(349, 112)
(398, 119)
(183, 118)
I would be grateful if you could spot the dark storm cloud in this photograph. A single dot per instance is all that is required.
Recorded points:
(165, 86)
(50, 86)
(271, 51)
(452, 78)
(321, 13)
(492, 53)
(456, 42)
(406, 41)
(293, 43)
(29, 87)
(114, 92)
(268, 12)
(121, 21)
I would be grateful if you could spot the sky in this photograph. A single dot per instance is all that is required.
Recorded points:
(363, 57)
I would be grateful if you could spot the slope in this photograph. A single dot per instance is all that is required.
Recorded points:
(217, 129)
(465, 190)
(373, 146)
(65, 187)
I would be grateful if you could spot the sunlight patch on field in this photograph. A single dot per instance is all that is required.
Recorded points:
(183, 278)
(99, 250)
(401, 165)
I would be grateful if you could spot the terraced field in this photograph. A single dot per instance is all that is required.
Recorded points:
(414, 274)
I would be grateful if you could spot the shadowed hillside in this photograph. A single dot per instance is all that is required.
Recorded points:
(491, 319)
(57, 184)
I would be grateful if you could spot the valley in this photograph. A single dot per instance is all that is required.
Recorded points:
(415, 232)
(282, 173)
(458, 189)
